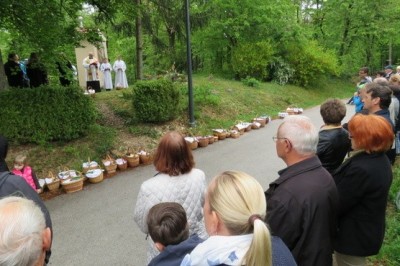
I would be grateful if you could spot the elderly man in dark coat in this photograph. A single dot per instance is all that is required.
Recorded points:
(302, 203)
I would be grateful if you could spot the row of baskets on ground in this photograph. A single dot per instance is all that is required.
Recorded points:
(73, 180)
(221, 134)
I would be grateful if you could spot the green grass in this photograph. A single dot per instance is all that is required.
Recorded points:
(237, 102)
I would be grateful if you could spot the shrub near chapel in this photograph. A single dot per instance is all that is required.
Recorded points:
(156, 100)
(45, 114)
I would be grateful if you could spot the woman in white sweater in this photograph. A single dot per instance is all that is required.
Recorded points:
(176, 181)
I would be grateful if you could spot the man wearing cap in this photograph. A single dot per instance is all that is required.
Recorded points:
(388, 71)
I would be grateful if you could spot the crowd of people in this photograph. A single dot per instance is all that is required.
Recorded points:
(327, 207)
(33, 73)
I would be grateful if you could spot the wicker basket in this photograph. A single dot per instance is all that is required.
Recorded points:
(145, 157)
(203, 141)
(72, 185)
(240, 127)
(132, 159)
(210, 139)
(76, 174)
(282, 115)
(109, 164)
(64, 175)
(192, 142)
(260, 120)
(89, 165)
(220, 133)
(95, 176)
(248, 127)
(290, 111)
(235, 134)
(122, 164)
(255, 125)
(54, 185)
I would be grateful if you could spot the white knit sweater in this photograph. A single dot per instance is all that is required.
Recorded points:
(187, 189)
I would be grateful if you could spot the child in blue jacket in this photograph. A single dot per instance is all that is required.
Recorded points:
(168, 228)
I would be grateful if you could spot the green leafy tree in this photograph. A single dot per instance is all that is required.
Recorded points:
(253, 59)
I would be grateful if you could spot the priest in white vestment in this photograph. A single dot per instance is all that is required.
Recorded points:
(105, 67)
(120, 76)
(91, 64)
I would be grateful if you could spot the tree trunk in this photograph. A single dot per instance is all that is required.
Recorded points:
(369, 50)
(346, 31)
(3, 78)
(171, 43)
(139, 42)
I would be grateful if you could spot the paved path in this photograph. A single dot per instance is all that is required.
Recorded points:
(96, 227)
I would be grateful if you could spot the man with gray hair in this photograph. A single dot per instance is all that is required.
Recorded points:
(302, 202)
(23, 233)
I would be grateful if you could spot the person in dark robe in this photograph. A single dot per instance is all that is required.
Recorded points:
(13, 71)
(36, 71)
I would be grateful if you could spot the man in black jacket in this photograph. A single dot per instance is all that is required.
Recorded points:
(3, 153)
(14, 73)
(302, 202)
(377, 98)
(334, 142)
(13, 185)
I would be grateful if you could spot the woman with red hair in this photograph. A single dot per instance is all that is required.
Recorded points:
(363, 183)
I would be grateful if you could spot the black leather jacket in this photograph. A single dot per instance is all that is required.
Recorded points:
(333, 145)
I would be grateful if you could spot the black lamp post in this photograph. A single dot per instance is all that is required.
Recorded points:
(189, 66)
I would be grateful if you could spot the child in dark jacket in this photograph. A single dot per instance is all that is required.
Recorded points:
(22, 169)
(168, 228)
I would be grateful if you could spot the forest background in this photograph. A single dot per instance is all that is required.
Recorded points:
(286, 40)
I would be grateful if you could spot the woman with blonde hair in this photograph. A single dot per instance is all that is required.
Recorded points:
(234, 211)
(363, 183)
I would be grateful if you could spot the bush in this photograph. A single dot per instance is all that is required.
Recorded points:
(282, 72)
(45, 114)
(251, 82)
(156, 101)
(311, 62)
(253, 59)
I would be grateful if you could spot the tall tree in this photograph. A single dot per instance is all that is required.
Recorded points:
(139, 42)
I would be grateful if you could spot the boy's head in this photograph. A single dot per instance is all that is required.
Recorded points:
(167, 224)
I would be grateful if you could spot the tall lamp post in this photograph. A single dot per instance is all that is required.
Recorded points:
(189, 66)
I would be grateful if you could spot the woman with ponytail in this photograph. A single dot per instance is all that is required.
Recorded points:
(234, 210)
